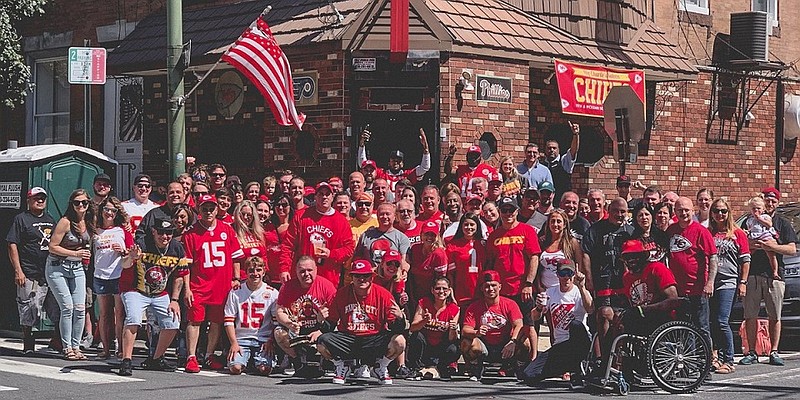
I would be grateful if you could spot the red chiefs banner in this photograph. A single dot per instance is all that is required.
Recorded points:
(583, 88)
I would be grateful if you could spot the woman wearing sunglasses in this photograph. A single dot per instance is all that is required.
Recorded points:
(433, 346)
(733, 251)
(274, 232)
(110, 245)
(65, 269)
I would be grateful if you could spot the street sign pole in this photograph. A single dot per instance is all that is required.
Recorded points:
(176, 111)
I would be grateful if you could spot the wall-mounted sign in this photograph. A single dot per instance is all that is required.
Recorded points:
(584, 88)
(10, 195)
(492, 88)
(305, 88)
(364, 64)
(229, 94)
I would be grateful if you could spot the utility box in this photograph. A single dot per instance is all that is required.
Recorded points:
(59, 169)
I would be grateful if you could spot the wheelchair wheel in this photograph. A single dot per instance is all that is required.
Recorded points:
(679, 357)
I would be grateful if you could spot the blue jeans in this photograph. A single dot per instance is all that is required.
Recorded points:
(721, 306)
(67, 281)
(699, 313)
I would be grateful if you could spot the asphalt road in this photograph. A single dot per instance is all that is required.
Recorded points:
(45, 376)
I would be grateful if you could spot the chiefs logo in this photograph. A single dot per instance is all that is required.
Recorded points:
(378, 249)
(493, 320)
(678, 243)
(357, 316)
(155, 279)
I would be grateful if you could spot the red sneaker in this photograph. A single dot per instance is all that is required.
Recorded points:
(192, 366)
(213, 363)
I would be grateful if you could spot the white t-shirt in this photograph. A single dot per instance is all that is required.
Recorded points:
(137, 210)
(107, 262)
(252, 313)
(564, 308)
(549, 265)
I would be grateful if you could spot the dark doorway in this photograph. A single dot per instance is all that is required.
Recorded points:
(239, 147)
(398, 130)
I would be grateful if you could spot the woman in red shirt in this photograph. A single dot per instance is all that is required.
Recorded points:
(465, 255)
(434, 332)
(274, 231)
(249, 231)
(428, 260)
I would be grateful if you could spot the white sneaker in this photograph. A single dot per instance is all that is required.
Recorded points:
(342, 370)
(383, 375)
(87, 341)
(362, 372)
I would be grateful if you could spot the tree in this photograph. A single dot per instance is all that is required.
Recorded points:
(15, 79)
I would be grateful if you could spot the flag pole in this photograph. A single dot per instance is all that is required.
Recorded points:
(182, 99)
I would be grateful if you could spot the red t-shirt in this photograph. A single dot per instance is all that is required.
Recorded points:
(302, 302)
(689, 250)
(412, 233)
(436, 331)
(330, 230)
(227, 218)
(253, 247)
(362, 317)
(498, 317)
(465, 175)
(465, 264)
(436, 217)
(512, 249)
(641, 289)
(410, 174)
(424, 268)
(272, 245)
(211, 254)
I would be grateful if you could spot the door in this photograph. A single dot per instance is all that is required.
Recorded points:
(124, 129)
(60, 177)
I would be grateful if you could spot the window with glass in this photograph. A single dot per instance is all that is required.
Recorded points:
(51, 101)
(695, 6)
(768, 6)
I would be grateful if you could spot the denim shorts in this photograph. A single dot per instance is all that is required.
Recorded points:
(158, 307)
(105, 286)
(252, 347)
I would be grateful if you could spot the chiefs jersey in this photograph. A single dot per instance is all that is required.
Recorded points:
(211, 253)
(252, 312)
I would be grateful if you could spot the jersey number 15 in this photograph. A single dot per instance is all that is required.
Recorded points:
(213, 254)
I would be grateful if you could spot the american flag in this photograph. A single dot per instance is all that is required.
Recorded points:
(257, 55)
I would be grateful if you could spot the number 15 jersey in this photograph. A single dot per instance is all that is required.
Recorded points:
(252, 312)
(211, 253)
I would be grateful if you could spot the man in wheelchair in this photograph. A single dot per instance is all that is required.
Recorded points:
(654, 303)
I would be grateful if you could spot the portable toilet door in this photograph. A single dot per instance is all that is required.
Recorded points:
(61, 177)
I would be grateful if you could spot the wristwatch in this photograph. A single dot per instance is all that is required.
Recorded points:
(743, 282)
(527, 284)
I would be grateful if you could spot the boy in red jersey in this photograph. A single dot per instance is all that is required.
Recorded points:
(211, 246)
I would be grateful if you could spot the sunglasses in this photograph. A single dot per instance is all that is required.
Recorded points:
(79, 203)
(507, 210)
(364, 277)
(143, 186)
(104, 184)
(282, 205)
(566, 273)
(198, 194)
(405, 211)
(164, 232)
(720, 210)
(208, 210)
(217, 175)
(110, 210)
(39, 198)
(363, 204)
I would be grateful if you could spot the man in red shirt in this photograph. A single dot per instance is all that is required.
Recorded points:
(490, 328)
(369, 326)
(211, 246)
(395, 172)
(302, 303)
(430, 206)
(322, 233)
(513, 251)
(474, 168)
(693, 260)
(405, 221)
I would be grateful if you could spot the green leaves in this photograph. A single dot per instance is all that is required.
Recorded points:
(15, 79)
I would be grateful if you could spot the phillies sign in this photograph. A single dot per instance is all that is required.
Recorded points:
(584, 88)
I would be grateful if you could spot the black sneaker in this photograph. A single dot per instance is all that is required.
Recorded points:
(125, 368)
(446, 373)
(404, 372)
(308, 372)
(157, 364)
(476, 372)
(775, 359)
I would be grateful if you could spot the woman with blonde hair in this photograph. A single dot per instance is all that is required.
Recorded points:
(513, 183)
(557, 243)
(249, 231)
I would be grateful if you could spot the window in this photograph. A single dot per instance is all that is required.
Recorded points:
(768, 6)
(695, 6)
(51, 102)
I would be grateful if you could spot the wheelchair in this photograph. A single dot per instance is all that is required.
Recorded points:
(675, 357)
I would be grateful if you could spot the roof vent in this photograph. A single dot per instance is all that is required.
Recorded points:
(749, 37)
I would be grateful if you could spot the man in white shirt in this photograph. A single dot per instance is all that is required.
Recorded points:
(137, 206)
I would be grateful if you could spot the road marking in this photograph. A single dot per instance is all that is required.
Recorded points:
(61, 373)
(749, 379)
(207, 374)
(7, 388)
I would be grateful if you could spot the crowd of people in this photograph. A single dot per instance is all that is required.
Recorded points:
(378, 275)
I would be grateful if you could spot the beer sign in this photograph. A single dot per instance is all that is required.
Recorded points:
(492, 88)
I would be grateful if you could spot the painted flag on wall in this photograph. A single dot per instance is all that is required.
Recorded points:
(257, 55)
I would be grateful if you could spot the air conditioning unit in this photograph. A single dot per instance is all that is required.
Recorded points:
(750, 36)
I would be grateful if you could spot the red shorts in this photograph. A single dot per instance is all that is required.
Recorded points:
(200, 312)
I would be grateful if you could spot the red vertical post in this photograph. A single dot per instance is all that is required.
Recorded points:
(398, 39)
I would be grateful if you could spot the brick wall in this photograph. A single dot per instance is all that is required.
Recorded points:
(507, 121)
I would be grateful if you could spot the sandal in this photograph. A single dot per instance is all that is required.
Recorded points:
(724, 369)
(716, 364)
(79, 356)
(70, 355)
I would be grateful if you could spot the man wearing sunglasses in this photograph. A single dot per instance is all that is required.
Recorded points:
(153, 261)
(217, 176)
(101, 187)
(27, 240)
(175, 197)
(567, 306)
(137, 206)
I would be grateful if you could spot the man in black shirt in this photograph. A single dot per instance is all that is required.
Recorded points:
(762, 285)
(175, 196)
(28, 240)
(577, 224)
(560, 165)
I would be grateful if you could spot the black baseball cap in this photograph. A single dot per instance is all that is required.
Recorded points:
(102, 177)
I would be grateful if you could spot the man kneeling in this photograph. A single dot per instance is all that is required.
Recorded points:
(248, 322)
(370, 326)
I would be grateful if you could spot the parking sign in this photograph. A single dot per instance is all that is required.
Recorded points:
(87, 65)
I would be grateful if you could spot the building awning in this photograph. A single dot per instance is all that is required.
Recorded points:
(212, 30)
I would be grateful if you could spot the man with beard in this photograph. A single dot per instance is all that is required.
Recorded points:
(405, 221)
(302, 304)
(601, 246)
(102, 187)
(369, 326)
(530, 201)
(539, 217)
(395, 172)
(143, 284)
(319, 232)
(473, 169)
(561, 165)
(175, 197)
(452, 208)
(578, 225)
(368, 168)
(377, 241)
(531, 169)
(137, 206)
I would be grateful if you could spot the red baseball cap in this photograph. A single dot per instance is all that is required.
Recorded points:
(392, 255)
(362, 267)
(429, 226)
(771, 192)
(370, 163)
(471, 197)
(633, 246)
(474, 149)
(321, 185)
(309, 191)
(495, 177)
(490, 275)
(36, 190)
(335, 180)
(207, 198)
